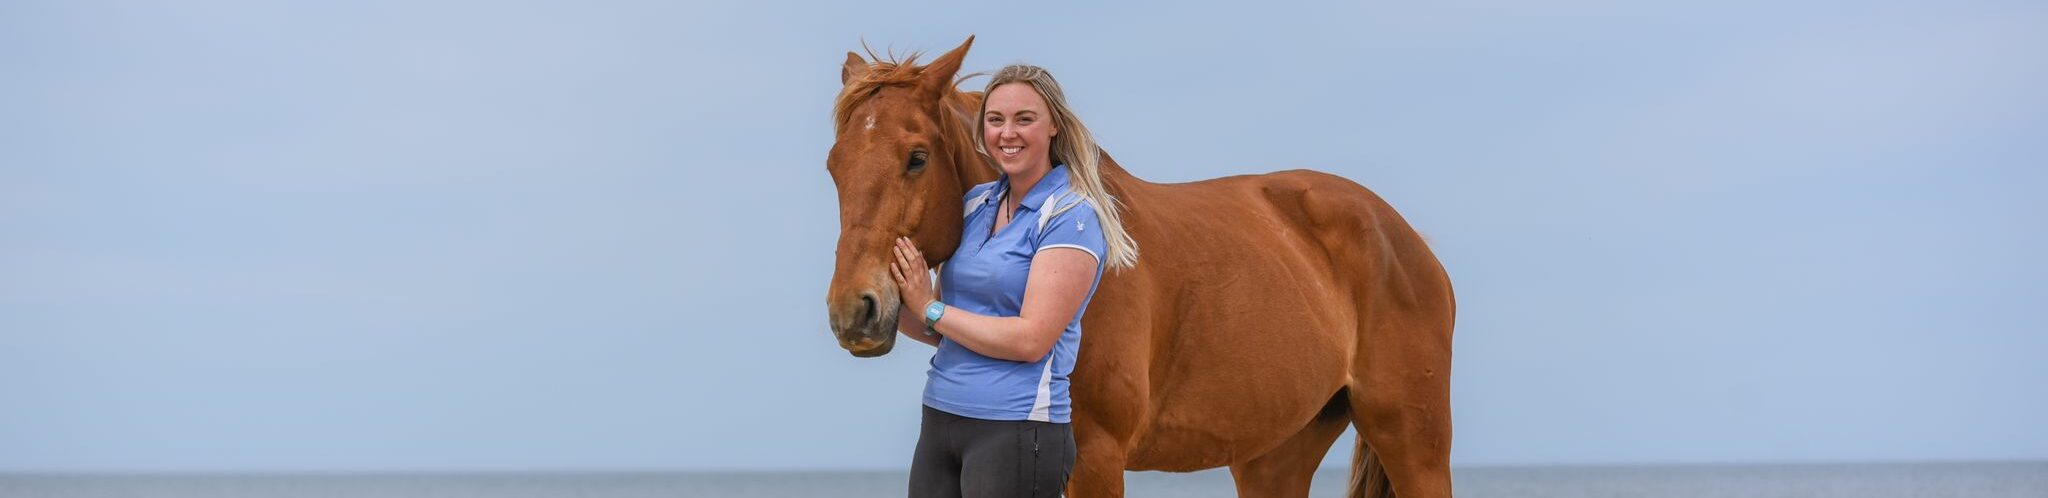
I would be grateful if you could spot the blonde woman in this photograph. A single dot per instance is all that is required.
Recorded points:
(1007, 318)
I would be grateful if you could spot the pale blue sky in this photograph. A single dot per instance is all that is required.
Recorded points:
(429, 236)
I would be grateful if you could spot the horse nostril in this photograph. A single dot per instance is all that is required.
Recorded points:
(868, 316)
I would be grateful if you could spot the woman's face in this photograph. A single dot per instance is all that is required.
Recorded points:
(1018, 129)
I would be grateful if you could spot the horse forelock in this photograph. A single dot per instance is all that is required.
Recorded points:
(881, 73)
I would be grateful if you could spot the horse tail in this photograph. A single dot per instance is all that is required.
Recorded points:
(1368, 478)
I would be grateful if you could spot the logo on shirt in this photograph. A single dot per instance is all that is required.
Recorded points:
(1078, 227)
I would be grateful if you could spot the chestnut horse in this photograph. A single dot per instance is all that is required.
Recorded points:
(1266, 312)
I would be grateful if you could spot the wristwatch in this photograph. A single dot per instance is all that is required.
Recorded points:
(932, 312)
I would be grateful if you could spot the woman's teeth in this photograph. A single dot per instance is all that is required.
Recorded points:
(1011, 150)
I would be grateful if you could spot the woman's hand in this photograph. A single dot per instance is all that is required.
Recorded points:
(913, 279)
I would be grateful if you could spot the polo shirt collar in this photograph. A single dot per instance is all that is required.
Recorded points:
(1054, 179)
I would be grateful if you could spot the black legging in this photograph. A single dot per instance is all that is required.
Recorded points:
(960, 456)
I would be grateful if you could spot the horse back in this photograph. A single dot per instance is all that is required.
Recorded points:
(1242, 317)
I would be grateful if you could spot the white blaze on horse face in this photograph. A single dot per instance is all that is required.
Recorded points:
(871, 123)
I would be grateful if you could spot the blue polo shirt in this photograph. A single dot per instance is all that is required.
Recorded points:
(986, 276)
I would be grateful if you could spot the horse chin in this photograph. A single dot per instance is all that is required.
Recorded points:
(870, 348)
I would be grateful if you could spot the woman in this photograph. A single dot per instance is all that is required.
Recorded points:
(1007, 320)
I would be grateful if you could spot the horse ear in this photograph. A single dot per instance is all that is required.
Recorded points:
(855, 67)
(939, 74)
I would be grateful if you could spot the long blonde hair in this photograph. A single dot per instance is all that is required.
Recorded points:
(1075, 147)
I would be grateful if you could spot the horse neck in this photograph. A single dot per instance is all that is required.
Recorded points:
(974, 169)
(1121, 182)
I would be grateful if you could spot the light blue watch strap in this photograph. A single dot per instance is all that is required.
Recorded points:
(934, 311)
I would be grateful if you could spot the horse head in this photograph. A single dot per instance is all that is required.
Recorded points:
(901, 162)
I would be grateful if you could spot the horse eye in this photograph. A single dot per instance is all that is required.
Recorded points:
(916, 160)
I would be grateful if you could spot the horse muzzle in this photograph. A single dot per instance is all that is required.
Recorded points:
(865, 322)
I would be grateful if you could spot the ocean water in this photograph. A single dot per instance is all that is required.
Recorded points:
(1976, 480)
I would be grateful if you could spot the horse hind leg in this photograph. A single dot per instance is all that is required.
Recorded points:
(1404, 432)
(1285, 471)
(1403, 460)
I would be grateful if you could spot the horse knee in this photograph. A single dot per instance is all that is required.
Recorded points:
(1096, 477)
(1098, 466)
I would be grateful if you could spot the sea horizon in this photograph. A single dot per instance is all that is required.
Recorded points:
(862, 470)
(1975, 478)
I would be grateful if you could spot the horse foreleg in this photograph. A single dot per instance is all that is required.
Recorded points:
(1285, 471)
(1099, 464)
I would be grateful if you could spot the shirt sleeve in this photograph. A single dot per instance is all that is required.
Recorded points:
(1076, 227)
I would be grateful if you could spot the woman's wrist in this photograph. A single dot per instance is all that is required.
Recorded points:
(932, 310)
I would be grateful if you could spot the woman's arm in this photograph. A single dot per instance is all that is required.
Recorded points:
(1053, 293)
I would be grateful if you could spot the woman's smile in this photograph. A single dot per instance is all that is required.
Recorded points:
(1015, 126)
